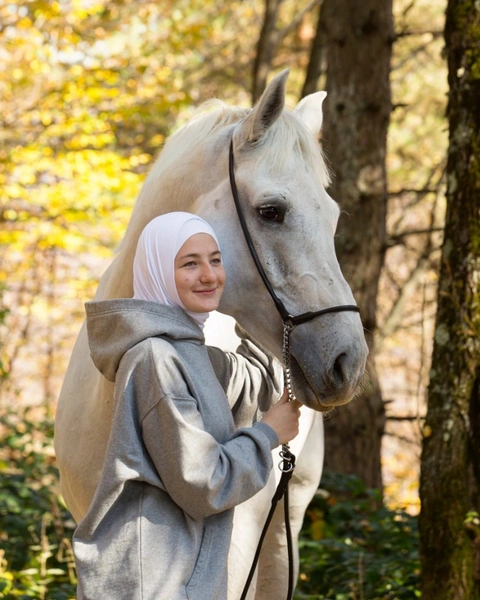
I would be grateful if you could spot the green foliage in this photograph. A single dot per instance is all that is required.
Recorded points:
(351, 546)
(354, 548)
(36, 559)
(88, 93)
(3, 314)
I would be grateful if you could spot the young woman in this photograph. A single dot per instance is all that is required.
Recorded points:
(177, 463)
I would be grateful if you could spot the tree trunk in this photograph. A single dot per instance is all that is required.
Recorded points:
(358, 38)
(450, 473)
(266, 47)
(314, 68)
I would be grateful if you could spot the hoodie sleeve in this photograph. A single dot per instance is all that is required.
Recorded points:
(201, 475)
(251, 378)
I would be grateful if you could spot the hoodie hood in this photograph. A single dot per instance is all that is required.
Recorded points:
(116, 326)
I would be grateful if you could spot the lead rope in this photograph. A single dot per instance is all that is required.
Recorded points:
(286, 466)
(288, 457)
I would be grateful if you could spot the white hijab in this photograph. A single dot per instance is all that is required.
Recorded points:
(154, 262)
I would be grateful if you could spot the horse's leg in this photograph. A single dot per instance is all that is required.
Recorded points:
(272, 581)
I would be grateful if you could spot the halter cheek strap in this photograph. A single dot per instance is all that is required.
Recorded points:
(287, 463)
(287, 317)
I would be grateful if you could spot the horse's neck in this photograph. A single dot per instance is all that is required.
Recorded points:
(159, 195)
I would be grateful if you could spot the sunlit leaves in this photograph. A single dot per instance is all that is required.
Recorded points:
(419, 88)
(88, 92)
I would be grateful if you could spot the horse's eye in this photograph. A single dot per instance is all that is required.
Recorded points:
(270, 213)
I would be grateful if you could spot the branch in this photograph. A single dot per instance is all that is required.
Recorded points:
(402, 438)
(269, 40)
(412, 55)
(399, 105)
(395, 240)
(408, 8)
(282, 34)
(420, 194)
(412, 319)
(405, 33)
(404, 418)
(394, 317)
(422, 191)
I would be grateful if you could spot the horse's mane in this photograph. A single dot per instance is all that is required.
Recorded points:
(286, 135)
(208, 118)
(171, 169)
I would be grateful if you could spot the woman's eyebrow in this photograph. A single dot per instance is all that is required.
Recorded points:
(195, 255)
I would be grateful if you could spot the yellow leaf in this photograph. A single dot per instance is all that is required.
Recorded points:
(427, 431)
(24, 23)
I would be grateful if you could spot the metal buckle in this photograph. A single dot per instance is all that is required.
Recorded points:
(287, 463)
(285, 467)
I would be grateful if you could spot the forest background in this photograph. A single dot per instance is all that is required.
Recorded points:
(89, 90)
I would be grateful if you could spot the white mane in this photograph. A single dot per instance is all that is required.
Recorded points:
(286, 135)
(210, 117)
(172, 169)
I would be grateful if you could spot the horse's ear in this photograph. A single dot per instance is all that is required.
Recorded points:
(309, 111)
(266, 111)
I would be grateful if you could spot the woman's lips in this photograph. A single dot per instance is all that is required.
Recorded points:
(206, 292)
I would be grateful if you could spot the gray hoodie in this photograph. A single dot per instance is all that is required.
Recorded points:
(160, 522)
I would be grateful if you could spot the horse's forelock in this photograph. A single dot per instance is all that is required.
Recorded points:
(289, 135)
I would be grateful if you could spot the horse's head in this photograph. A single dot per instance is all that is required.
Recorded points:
(281, 178)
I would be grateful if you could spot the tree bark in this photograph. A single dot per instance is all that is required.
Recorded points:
(450, 470)
(269, 40)
(358, 38)
(266, 47)
(314, 68)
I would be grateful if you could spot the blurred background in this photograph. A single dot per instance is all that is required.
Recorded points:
(90, 89)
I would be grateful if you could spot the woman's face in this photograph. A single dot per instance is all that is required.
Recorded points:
(199, 273)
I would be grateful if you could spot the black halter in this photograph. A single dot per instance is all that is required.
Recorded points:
(287, 318)
(288, 459)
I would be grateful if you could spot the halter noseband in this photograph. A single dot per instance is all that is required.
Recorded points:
(287, 318)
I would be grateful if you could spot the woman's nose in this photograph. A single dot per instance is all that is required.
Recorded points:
(208, 274)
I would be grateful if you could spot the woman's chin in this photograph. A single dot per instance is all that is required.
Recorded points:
(203, 307)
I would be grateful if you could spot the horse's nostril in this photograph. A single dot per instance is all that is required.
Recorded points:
(338, 375)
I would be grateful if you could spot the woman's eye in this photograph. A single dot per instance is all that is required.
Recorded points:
(271, 213)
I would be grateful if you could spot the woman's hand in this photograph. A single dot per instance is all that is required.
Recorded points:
(283, 418)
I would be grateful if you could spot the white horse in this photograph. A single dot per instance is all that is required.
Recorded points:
(281, 177)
